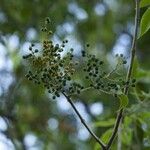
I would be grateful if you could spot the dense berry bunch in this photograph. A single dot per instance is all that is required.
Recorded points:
(54, 69)
(110, 82)
(50, 68)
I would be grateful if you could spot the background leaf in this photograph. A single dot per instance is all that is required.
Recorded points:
(144, 3)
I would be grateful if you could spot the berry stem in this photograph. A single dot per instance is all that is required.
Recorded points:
(84, 123)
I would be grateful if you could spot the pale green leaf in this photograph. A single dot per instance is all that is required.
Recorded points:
(144, 75)
(123, 101)
(106, 123)
(97, 147)
(126, 136)
(144, 3)
(106, 135)
(145, 22)
(126, 131)
(146, 94)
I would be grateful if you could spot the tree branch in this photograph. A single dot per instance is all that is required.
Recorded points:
(133, 50)
(84, 123)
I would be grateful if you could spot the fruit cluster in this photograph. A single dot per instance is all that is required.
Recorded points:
(55, 70)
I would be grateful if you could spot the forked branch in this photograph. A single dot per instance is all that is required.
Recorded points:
(128, 77)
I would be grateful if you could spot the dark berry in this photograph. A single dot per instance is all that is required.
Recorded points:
(87, 45)
(101, 62)
(54, 97)
(133, 85)
(36, 51)
(32, 45)
(133, 80)
(124, 62)
(121, 55)
(30, 48)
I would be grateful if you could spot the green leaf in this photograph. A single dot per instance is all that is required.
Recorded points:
(96, 147)
(106, 135)
(143, 75)
(145, 94)
(144, 3)
(123, 101)
(106, 123)
(127, 131)
(139, 131)
(126, 136)
(145, 22)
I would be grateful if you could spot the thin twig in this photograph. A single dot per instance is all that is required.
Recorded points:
(8, 133)
(110, 73)
(119, 143)
(133, 50)
(89, 88)
(84, 123)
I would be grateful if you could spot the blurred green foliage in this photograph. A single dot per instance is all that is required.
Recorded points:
(27, 109)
